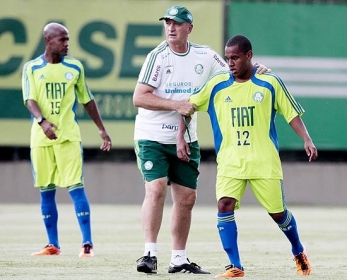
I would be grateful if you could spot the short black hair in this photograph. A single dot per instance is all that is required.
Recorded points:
(241, 41)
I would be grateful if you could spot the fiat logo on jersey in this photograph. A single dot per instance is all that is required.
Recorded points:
(199, 69)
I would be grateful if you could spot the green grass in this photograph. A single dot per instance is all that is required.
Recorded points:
(118, 240)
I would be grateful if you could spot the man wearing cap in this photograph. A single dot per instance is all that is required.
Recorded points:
(172, 71)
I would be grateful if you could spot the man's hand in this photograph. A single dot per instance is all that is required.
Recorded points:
(185, 108)
(107, 144)
(311, 150)
(299, 127)
(182, 147)
(183, 150)
(262, 68)
(49, 129)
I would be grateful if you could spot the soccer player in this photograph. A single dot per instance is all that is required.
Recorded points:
(242, 106)
(170, 74)
(52, 84)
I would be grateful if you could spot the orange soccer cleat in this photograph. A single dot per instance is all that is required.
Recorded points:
(87, 251)
(50, 249)
(231, 272)
(303, 266)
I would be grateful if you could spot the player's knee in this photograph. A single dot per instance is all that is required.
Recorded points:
(278, 217)
(226, 204)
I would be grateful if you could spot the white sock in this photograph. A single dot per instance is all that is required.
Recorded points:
(151, 248)
(179, 257)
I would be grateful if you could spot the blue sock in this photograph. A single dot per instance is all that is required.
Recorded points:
(289, 228)
(50, 215)
(228, 234)
(82, 210)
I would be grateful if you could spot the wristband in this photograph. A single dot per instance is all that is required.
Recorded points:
(40, 120)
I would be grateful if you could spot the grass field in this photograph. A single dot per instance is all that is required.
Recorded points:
(118, 242)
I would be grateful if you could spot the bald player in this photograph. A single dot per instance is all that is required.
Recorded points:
(52, 84)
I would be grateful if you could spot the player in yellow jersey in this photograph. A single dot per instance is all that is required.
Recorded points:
(242, 106)
(52, 85)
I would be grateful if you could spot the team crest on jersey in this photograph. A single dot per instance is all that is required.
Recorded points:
(258, 97)
(199, 69)
(69, 76)
(148, 165)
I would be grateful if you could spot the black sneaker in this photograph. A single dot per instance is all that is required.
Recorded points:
(187, 268)
(147, 264)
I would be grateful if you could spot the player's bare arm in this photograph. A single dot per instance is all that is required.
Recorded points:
(47, 127)
(94, 114)
(144, 98)
(299, 127)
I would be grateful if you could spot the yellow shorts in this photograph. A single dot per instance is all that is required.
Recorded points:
(269, 192)
(59, 165)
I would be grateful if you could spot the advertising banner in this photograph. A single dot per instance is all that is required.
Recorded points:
(110, 37)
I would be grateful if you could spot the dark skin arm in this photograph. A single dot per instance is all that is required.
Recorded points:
(299, 127)
(92, 110)
(94, 114)
(47, 127)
